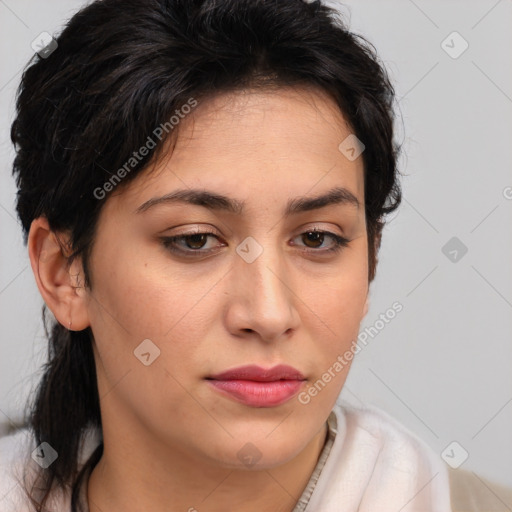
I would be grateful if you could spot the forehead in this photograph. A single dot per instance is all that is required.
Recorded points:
(287, 139)
(259, 121)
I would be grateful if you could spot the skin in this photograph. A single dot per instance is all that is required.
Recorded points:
(171, 441)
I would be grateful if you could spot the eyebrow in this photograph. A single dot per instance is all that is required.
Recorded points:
(214, 201)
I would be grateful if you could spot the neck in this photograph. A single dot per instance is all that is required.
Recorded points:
(132, 477)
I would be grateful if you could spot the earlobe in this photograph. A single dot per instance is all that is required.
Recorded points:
(59, 283)
(365, 307)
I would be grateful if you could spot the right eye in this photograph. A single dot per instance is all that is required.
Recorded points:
(190, 244)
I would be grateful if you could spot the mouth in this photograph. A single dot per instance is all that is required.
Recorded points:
(258, 387)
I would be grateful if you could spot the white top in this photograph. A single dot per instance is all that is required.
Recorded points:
(369, 463)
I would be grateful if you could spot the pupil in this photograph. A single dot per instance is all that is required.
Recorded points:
(315, 237)
(198, 239)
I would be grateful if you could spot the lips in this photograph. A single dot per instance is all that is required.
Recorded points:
(258, 374)
(258, 387)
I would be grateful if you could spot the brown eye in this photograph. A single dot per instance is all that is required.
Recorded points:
(192, 244)
(317, 241)
(315, 238)
(196, 241)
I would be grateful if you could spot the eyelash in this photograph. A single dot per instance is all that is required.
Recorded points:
(170, 243)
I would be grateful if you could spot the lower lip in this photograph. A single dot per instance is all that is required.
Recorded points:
(258, 394)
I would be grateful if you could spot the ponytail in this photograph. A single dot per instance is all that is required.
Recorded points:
(65, 405)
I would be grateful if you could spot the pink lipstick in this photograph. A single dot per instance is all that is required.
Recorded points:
(259, 387)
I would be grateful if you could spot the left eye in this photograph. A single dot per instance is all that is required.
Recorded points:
(316, 238)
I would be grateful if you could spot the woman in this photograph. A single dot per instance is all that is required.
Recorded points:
(203, 187)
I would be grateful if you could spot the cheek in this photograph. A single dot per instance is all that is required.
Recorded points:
(338, 297)
(334, 326)
(146, 297)
(335, 323)
(134, 303)
(141, 297)
(337, 307)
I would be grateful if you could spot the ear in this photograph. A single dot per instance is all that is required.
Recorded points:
(60, 284)
(365, 307)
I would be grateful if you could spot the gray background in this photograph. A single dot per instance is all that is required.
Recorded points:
(442, 366)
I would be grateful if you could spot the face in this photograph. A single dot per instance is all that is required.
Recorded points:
(212, 284)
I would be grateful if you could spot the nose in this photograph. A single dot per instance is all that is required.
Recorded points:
(263, 302)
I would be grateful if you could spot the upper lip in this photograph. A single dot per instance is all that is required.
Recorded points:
(258, 374)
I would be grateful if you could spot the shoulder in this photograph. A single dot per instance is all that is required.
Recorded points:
(384, 432)
(471, 492)
(397, 446)
(19, 462)
(374, 459)
(15, 452)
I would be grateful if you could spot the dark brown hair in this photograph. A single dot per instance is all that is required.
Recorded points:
(123, 67)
